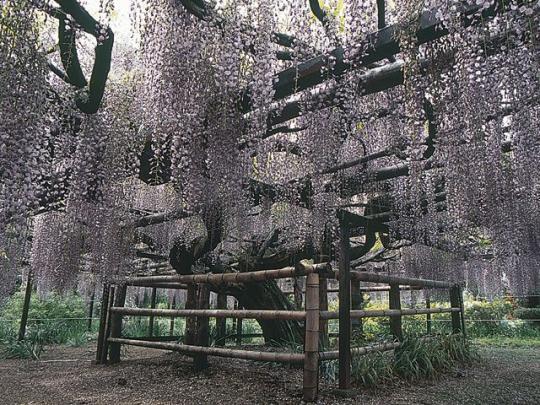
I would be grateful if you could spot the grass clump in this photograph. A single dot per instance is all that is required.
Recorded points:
(416, 358)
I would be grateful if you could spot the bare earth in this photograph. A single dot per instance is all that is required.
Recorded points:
(66, 375)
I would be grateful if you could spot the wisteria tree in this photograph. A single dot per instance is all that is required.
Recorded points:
(237, 136)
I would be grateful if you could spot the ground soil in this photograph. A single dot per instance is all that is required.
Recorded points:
(67, 375)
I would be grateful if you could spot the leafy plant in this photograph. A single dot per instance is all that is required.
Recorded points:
(416, 358)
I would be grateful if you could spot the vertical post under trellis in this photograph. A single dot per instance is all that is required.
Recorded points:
(102, 321)
(172, 306)
(116, 323)
(428, 315)
(200, 360)
(91, 310)
(455, 302)
(221, 323)
(344, 308)
(153, 296)
(26, 306)
(395, 303)
(323, 306)
(356, 303)
(462, 313)
(107, 329)
(311, 342)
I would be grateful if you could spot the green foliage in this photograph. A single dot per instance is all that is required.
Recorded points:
(53, 320)
(372, 369)
(416, 358)
(483, 319)
(486, 318)
(527, 313)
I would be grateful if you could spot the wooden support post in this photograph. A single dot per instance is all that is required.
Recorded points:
(395, 320)
(102, 321)
(26, 306)
(116, 323)
(190, 331)
(462, 313)
(200, 360)
(357, 301)
(455, 302)
(221, 323)
(428, 315)
(152, 305)
(172, 306)
(107, 329)
(311, 342)
(91, 310)
(323, 306)
(344, 308)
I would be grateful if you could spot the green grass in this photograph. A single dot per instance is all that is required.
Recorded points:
(505, 341)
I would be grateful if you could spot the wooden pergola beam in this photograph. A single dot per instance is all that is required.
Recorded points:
(381, 45)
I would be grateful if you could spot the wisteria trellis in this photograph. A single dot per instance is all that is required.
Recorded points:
(269, 119)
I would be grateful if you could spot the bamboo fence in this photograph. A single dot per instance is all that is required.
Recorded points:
(315, 317)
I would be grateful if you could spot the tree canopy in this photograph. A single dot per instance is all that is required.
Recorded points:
(236, 135)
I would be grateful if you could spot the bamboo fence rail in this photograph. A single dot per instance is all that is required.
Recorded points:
(213, 313)
(388, 312)
(358, 351)
(215, 351)
(224, 278)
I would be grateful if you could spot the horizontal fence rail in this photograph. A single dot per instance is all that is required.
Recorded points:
(358, 351)
(388, 312)
(389, 279)
(368, 289)
(215, 351)
(224, 278)
(212, 313)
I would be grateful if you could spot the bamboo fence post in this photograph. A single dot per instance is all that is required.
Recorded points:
(116, 323)
(323, 306)
(221, 323)
(462, 313)
(102, 321)
(190, 331)
(26, 307)
(91, 310)
(172, 306)
(356, 303)
(311, 342)
(152, 305)
(344, 308)
(428, 315)
(395, 320)
(455, 302)
(200, 360)
(107, 328)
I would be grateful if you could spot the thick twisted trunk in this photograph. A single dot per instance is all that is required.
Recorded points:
(267, 295)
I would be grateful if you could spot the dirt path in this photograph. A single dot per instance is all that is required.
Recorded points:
(67, 376)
